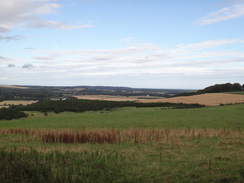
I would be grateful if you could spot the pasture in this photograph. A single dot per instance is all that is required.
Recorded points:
(154, 144)
(230, 116)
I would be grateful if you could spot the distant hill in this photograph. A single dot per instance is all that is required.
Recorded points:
(23, 92)
(217, 88)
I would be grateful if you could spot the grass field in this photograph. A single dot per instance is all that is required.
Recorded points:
(237, 92)
(125, 145)
(230, 116)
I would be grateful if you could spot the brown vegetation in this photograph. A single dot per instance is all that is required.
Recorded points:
(121, 136)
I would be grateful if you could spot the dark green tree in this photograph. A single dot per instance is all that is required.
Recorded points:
(8, 114)
(237, 87)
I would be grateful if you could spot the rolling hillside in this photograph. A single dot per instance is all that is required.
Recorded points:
(208, 99)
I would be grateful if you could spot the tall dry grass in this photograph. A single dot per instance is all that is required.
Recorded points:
(135, 135)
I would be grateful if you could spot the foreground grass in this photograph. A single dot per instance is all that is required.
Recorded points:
(180, 155)
(125, 145)
(231, 116)
(62, 167)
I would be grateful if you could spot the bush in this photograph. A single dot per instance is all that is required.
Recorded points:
(8, 114)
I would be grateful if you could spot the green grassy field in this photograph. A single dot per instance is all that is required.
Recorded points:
(148, 145)
(231, 116)
(237, 92)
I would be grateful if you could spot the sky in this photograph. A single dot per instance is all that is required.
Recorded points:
(177, 44)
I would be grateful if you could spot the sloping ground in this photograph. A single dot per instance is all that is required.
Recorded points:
(208, 99)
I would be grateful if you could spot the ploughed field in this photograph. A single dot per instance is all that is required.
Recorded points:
(129, 144)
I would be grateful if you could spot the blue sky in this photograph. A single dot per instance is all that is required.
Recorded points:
(188, 44)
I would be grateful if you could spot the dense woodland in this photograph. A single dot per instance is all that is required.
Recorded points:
(217, 88)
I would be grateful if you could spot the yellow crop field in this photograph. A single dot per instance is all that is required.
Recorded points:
(116, 98)
(10, 86)
(7, 103)
(208, 99)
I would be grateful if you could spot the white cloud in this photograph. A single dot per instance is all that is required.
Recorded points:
(203, 49)
(43, 58)
(189, 59)
(209, 44)
(56, 25)
(227, 13)
(15, 13)
(138, 61)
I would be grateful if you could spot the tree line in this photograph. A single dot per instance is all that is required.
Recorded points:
(14, 111)
(95, 105)
(217, 88)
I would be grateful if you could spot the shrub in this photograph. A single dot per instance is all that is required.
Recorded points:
(8, 114)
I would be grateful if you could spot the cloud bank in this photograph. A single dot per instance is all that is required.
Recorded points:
(141, 59)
